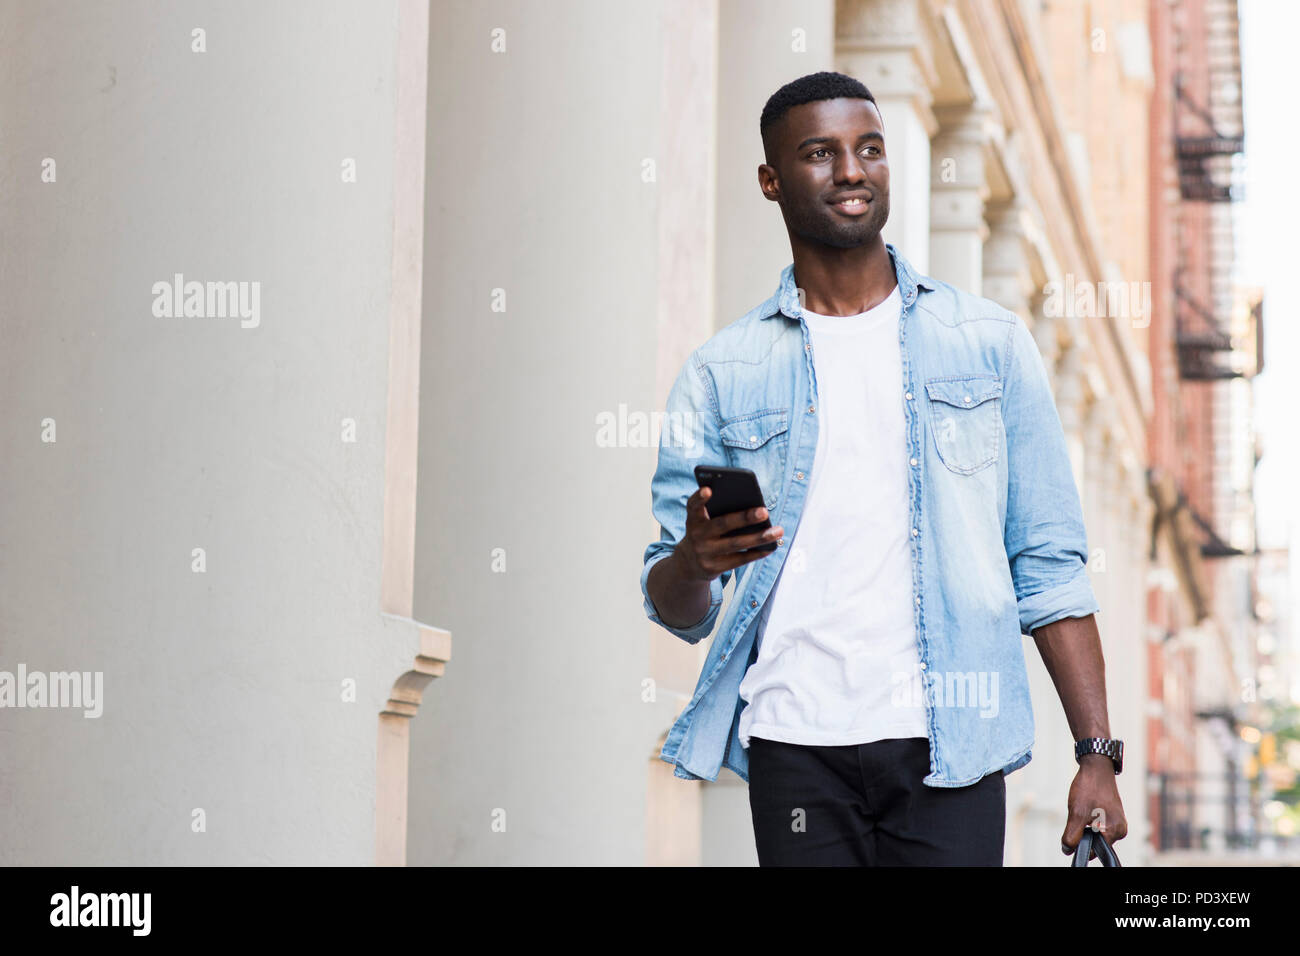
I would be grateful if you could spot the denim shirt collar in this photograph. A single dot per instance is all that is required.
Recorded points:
(786, 298)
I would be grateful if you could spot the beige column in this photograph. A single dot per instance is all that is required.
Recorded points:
(1134, 560)
(880, 43)
(1111, 492)
(690, 117)
(958, 194)
(760, 46)
(1007, 276)
(1069, 404)
(431, 645)
(1095, 486)
(1047, 336)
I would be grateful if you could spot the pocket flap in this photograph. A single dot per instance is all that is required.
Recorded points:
(964, 392)
(754, 430)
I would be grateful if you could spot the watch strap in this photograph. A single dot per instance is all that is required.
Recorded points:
(1106, 746)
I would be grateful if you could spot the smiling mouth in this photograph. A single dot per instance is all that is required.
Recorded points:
(852, 207)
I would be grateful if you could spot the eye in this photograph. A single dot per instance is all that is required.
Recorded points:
(821, 149)
(876, 148)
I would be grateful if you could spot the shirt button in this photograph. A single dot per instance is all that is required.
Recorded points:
(799, 475)
(966, 399)
(913, 461)
(922, 665)
(915, 532)
(807, 348)
(753, 604)
(918, 599)
(754, 439)
(909, 396)
(811, 409)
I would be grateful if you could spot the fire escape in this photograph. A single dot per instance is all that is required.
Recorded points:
(1216, 338)
(1204, 175)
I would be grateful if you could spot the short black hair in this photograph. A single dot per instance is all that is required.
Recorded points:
(808, 89)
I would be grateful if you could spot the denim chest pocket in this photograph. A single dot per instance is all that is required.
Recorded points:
(758, 441)
(965, 420)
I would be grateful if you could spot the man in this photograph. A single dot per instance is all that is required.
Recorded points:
(868, 679)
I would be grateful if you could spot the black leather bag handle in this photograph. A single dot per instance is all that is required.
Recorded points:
(1094, 841)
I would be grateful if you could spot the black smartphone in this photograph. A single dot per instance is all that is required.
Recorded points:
(734, 489)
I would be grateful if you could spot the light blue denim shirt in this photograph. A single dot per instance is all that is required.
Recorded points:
(998, 542)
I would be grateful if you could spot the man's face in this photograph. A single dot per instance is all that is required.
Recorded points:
(830, 173)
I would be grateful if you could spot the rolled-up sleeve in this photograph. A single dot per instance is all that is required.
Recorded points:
(688, 436)
(1044, 534)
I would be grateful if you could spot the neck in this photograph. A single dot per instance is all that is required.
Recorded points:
(844, 281)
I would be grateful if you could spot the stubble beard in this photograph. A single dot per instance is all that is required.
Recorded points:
(832, 231)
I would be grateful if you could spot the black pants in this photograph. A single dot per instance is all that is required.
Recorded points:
(865, 805)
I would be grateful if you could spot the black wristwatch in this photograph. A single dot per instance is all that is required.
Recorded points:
(1114, 749)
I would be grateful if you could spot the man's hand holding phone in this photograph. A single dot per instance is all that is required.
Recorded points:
(679, 585)
(706, 549)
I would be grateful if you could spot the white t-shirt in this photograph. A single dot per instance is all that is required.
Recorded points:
(838, 661)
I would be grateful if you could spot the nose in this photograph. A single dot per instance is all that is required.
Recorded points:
(848, 168)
